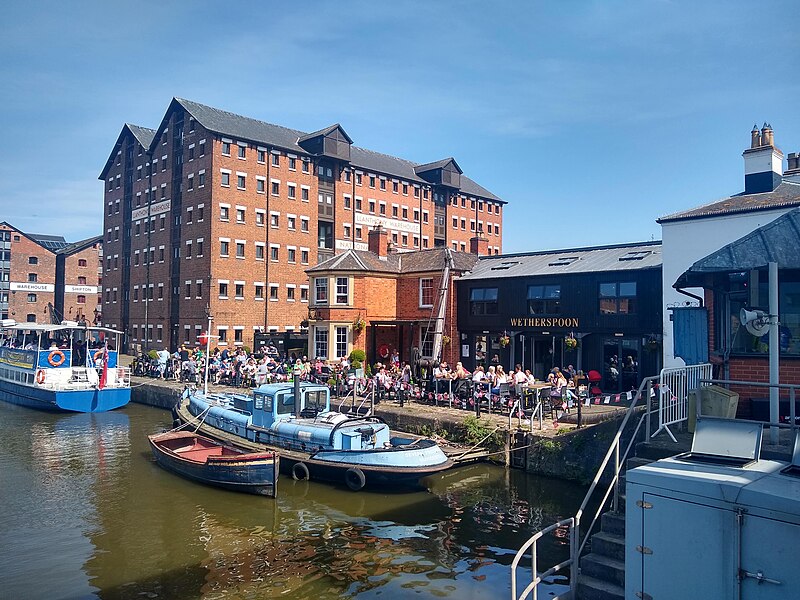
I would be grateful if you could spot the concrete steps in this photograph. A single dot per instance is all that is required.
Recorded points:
(602, 571)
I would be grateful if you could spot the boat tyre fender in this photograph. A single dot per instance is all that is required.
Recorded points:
(40, 376)
(300, 472)
(56, 358)
(354, 478)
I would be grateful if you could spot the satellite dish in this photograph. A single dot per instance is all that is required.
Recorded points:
(756, 322)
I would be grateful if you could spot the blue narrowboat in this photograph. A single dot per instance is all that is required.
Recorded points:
(295, 419)
(67, 367)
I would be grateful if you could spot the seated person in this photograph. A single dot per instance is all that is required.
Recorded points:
(442, 377)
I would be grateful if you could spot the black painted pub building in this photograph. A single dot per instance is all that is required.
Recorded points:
(595, 308)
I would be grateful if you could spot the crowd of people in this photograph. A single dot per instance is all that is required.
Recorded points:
(394, 379)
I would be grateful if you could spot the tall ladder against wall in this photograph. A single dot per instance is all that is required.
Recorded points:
(442, 306)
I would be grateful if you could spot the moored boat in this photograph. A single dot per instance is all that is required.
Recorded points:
(70, 367)
(209, 461)
(314, 441)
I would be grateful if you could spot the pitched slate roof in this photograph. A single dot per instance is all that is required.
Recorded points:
(245, 128)
(620, 257)
(143, 135)
(401, 263)
(776, 241)
(787, 194)
(54, 243)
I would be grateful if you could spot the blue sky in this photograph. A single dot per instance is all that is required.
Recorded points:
(590, 118)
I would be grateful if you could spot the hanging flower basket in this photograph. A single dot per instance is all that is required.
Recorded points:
(445, 340)
(359, 324)
(504, 340)
(570, 343)
(652, 345)
(304, 324)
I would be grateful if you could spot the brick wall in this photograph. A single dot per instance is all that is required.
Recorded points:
(293, 203)
(81, 269)
(23, 302)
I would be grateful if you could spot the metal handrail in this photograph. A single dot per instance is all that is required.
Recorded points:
(531, 543)
(576, 548)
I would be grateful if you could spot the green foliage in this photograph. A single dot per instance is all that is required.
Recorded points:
(359, 355)
(246, 349)
(152, 355)
(355, 364)
(367, 370)
(563, 430)
(548, 446)
(477, 431)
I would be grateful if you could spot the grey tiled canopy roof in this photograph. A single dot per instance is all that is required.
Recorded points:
(422, 261)
(774, 242)
(245, 128)
(620, 257)
(787, 194)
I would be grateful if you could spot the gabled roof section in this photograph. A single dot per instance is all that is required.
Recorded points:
(327, 131)
(439, 164)
(75, 247)
(619, 257)
(143, 135)
(774, 242)
(786, 195)
(402, 263)
(28, 235)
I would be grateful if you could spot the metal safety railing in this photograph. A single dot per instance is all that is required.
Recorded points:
(674, 385)
(578, 539)
(670, 404)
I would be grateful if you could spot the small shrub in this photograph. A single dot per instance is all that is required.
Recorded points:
(152, 355)
(359, 355)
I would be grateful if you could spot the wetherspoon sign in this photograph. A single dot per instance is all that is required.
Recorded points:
(563, 322)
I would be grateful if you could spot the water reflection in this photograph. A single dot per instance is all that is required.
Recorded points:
(112, 525)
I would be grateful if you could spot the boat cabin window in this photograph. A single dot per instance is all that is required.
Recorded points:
(316, 400)
(262, 402)
(285, 403)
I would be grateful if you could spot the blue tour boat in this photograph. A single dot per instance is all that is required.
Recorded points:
(295, 419)
(67, 367)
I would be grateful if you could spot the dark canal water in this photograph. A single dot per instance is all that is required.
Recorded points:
(86, 513)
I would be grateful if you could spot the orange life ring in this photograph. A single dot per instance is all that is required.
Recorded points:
(97, 355)
(56, 358)
(40, 376)
(383, 351)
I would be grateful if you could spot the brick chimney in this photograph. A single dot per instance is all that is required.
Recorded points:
(378, 241)
(479, 245)
(792, 172)
(763, 162)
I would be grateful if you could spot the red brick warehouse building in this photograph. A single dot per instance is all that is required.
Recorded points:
(45, 278)
(220, 212)
(382, 300)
